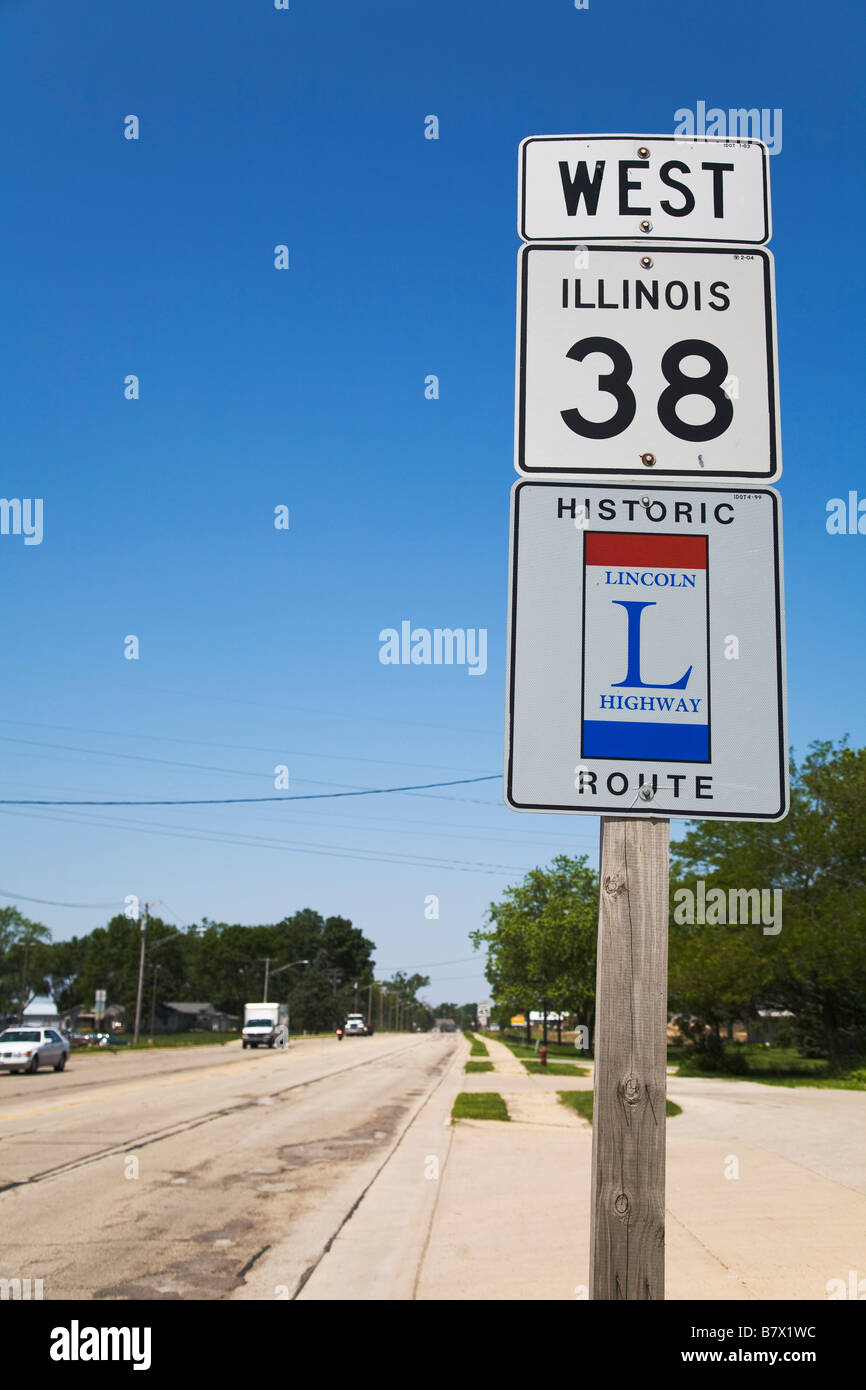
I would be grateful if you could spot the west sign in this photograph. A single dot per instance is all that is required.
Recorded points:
(643, 187)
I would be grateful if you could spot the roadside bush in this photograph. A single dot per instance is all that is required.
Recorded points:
(704, 1051)
(735, 1063)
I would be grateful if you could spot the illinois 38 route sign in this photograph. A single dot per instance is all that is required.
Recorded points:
(646, 651)
(657, 360)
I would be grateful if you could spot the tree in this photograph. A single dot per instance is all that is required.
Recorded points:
(405, 1008)
(816, 965)
(220, 962)
(107, 958)
(25, 960)
(541, 941)
(464, 1015)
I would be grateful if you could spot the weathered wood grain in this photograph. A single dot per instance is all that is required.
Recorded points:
(628, 1141)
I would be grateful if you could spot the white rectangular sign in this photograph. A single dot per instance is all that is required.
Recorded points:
(643, 187)
(653, 360)
(646, 651)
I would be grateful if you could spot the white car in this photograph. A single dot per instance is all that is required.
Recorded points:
(25, 1049)
(355, 1025)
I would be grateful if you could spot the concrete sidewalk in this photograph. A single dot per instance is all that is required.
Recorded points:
(761, 1202)
(530, 1099)
(507, 1215)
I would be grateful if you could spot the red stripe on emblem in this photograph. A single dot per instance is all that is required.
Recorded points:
(654, 552)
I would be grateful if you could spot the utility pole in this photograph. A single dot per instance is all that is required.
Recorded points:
(278, 971)
(153, 998)
(382, 993)
(21, 1002)
(140, 972)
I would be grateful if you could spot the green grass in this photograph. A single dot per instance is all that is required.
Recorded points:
(854, 1080)
(581, 1101)
(774, 1066)
(559, 1050)
(478, 1048)
(479, 1066)
(479, 1105)
(534, 1067)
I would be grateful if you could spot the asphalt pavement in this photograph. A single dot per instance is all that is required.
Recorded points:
(173, 1174)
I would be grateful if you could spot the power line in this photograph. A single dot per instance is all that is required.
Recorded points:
(449, 979)
(504, 834)
(244, 800)
(298, 847)
(209, 743)
(50, 902)
(210, 696)
(419, 965)
(200, 767)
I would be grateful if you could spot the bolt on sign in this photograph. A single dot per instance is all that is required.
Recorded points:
(646, 651)
(643, 188)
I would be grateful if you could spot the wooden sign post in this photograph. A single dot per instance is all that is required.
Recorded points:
(627, 1259)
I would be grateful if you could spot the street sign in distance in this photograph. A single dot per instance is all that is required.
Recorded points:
(646, 651)
(643, 187)
(634, 360)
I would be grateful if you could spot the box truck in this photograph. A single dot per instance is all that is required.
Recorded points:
(262, 1023)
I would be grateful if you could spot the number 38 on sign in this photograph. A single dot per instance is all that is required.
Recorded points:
(653, 356)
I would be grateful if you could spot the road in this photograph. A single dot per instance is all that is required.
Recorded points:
(331, 1171)
(185, 1174)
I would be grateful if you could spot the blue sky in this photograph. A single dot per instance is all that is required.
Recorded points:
(306, 388)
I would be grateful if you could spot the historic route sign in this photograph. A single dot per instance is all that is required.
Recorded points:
(646, 659)
(644, 188)
(657, 361)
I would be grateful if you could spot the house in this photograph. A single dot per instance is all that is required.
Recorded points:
(180, 1016)
(766, 1030)
(41, 1012)
(82, 1019)
(220, 1022)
